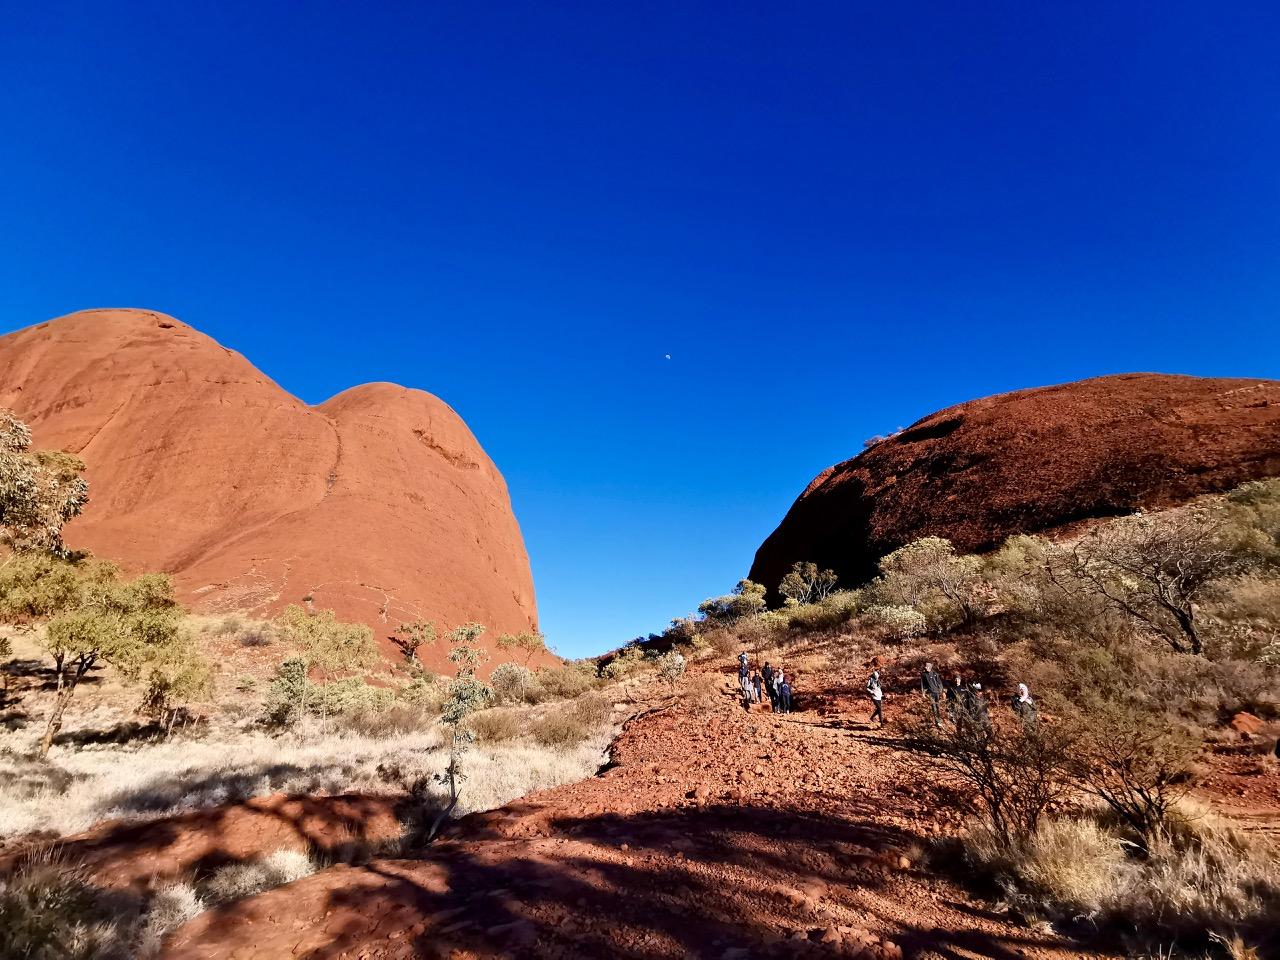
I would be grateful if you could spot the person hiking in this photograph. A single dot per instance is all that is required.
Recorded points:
(1023, 705)
(766, 674)
(931, 687)
(757, 686)
(779, 678)
(876, 692)
(784, 695)
(744, 676)
(975, 708)
(955, 699)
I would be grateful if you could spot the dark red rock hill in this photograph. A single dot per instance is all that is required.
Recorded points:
(379, 502)
(1030, 461)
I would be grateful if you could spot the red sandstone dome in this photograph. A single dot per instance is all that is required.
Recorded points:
(378, 503)
(1030, 461)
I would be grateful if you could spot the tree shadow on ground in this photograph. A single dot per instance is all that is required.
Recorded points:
(715, 881)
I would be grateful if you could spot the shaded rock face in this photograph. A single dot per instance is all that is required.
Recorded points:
(1028, 462)
(378, 503)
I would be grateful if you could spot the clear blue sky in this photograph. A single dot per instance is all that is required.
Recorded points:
(835, 218)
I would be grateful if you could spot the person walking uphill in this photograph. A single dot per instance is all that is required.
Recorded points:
(1023, 705)
(766, 674)
(876, 692)
(744, 677)
(931, 687)
(757, 686)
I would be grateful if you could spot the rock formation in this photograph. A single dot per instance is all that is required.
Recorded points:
(378, 503)
(1027, 462)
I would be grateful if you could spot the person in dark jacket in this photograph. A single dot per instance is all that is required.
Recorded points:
(955, 699)
(766, 674)
(931, 687)
(757, 686)
(784, 695)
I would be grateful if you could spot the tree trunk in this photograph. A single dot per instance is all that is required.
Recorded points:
(55, 718)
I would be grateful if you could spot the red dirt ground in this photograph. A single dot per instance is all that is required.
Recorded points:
(1030, 461)
(714, 833)
(378, 503)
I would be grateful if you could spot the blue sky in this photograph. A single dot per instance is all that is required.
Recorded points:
(835, 218)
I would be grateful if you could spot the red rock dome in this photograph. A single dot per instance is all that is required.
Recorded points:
(1030, 461)
(378, 503)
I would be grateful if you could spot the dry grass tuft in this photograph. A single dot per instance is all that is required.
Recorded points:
(496, 726)
(236, 881)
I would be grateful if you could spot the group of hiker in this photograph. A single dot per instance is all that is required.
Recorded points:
(965, 704)
(962, 703)
(773, 682)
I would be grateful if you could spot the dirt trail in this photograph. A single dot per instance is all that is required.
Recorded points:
(715, 833)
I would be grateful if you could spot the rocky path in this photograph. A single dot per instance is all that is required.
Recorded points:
(715, 833)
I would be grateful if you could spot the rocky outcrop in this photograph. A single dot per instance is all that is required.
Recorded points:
(1027, 462)
(379, 502)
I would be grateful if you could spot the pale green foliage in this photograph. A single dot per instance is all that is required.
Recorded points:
(900, 622)
(746, 600)
(805, 583)
(40, 491)
(237, 881)
(290, 694)
(671, 667)
(513, 683)
(530, 642)
(91, 615)
(466, 693)
(179, 675)
(931, 577)
(410, 638)
(624, 662)
(328, 643)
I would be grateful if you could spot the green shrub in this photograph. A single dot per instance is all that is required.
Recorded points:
(495, 726)
(513, 683)
(567, 682)
(560, 728)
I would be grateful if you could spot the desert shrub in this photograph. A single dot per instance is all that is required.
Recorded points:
(1068, 865)
(495, 726)
(746, 600)
(290, 694)
(897, 622)
(560, 728)
(830, 613)
(513, 683)
(930, 577)
(236, 881)
(170, 907)
(594, 710)
(566, 682)
(624, 663)
(1205, 877)
(50, 910)
(426, 691)
(671, 667)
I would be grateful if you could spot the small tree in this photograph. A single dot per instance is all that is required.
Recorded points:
(92, 616)
(40, 490)
(930, 576)
(512, 682)
(466, 695)
(671, 668)
(178, 677)
(746, 600)
(1157, 569)
(411, 637)
(529, 641)
(807, 584)
(329, 644)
